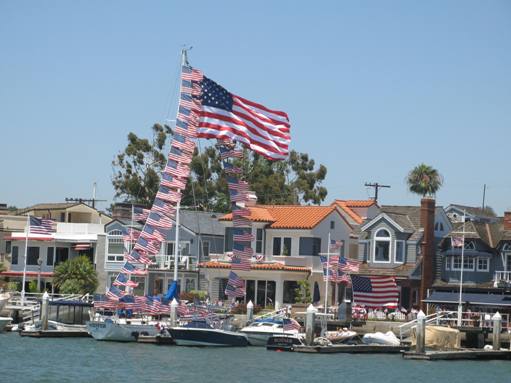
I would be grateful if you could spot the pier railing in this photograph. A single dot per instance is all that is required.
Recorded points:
(450, 319)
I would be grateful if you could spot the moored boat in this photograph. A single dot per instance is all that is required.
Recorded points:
(121, 330)
(4, 321)
(201, 333)
(259, 332)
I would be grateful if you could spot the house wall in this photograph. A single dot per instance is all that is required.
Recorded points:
(341, 231)
(99, 260)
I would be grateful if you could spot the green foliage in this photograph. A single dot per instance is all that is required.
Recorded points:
(303, 292)
(32, 287)
(14, 286)
(292, 181)
(194, 295)
(242, 309)
(137, 169)
(424, 180)
(76, 276)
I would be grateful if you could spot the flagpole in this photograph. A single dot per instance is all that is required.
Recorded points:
(327, 272)
(25, 263)
(460, 301)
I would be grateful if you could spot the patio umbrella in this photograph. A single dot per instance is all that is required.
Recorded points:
(316, 296)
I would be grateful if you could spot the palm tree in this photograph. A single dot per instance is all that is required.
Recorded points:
(76, 276)
(424, 180)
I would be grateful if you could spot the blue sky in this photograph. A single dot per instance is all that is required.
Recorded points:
(372, 88)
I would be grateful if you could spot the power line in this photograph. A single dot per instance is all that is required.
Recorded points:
(376, 187)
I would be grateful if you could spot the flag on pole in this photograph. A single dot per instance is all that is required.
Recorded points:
(290, 324)
(335, 245)
(40, 225)
(224, 115)
(348, 265)
(140, 214)
(375, 291)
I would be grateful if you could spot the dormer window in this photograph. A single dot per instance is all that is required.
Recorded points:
(381, 248)
(506, 247)
(470, 245)
(439, 226)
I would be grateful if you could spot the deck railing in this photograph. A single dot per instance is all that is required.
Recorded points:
(502, 276)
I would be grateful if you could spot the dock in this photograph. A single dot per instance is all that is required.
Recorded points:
(55, 334)
(352, 349)
(473, 354)
(159, 340)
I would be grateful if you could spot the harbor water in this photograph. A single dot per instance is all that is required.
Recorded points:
(86, 360)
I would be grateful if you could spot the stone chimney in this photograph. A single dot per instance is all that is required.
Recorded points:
(427, 217)
(507, 220)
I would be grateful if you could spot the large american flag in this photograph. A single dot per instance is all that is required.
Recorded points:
(40, 225)
(375, 291)
(223, 115)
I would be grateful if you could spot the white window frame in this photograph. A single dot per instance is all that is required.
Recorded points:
(465, 259)
(487, 264)
(382, 239)
(470, 245)
(447, 264)
(116, 257)
(403, 251)
(453, 258)
(281, 245)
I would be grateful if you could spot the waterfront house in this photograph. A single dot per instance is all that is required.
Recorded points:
(77, 229)
(390, 244)
(200, 234)
(288, 240)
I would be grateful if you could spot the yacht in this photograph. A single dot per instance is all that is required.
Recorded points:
(200, 332)
(120, 329)
(260, 331)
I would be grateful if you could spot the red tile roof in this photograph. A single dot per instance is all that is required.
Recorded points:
(347, 205)
(255, 266)
(287, 216)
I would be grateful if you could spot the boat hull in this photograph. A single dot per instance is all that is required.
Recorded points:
(184, 336)
(4, 321)
(260, 339)
(119, 332)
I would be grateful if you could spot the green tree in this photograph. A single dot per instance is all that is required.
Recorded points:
(76, 276)
(303, 292)
(295, 180)
(424, 180)
(137, 168)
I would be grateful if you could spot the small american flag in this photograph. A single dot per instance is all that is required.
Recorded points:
(183, 158)
(163, 207)
(169, 195)
(114, 293)
(231, 154)
(240, 222)
(235, 280)
(246, 252)
(343, 278)
(234, 292)
(131, 234)
(348, 265)
(171, 182)
(176, 170)
(159, 220)
(457, 242)
(240, 263)
(132, 269)
(290, 324)
(183, 143)
(243, 237)
(152, 247)
(238, 186)
(335, 244)
(40, 225)
(231, 169)
(153, 233)
(241, 213)
(140, 214)
(124, 280)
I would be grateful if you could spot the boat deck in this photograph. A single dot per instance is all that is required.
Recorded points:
(352, 349)
(55, 334)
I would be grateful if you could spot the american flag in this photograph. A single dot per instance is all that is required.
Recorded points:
(335, 244)
(330, 267)
(457, 242)
(191, 74)
(231, 169)
(131, 234)
(152, 247)
(241, 213)
(375, 291)
(183, 144)
(189, 132)
(153, 233)
(240, 186)
(124, 280)
(171, 182)
(166, 194)
(289, 324)
(132, 269)
(163, 207)
(240, 222)
(235, 280)
(240, 263)
(244, 237)
(231, 154)
(343, 278)
(114, 293)
(159, 220)
(183, 158)
(234, 292)
(247, 251)
(103, 303)
(224, 115)
(40, 225)
(348, 265)
(140, 214)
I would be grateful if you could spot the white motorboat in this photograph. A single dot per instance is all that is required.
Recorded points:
(259, 332)
(387, 339)
(4, 321)
(4, 298)
(340, 336)
(121, 330)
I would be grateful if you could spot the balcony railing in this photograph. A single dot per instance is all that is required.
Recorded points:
(502, 276)
(164, 262)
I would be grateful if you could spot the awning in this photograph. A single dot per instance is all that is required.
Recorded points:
(28, 274)
(30, 238)
(476, 299)
(82, 246)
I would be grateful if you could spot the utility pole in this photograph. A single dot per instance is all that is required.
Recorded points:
(376, 187)
(484, 195)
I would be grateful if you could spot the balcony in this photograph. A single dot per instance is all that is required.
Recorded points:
(502, 278)
(166, 262)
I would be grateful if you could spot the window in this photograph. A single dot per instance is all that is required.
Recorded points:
(447, 263)
(400, 252)
(8, 245)
(281, 246)
(290, 288)
(382, 246)
(332, 225)
(62, 217)
(184, 248)
(205, 249)
(507, 247)
(33, 255)
(483, 264)
(468, 263)
(470, 245)
(115, 244)
(276, 246)
(49, 256)
(62, 255)
(14, 255)
(169, 248)
(259, 241)
(439, 226)
(309, 246)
